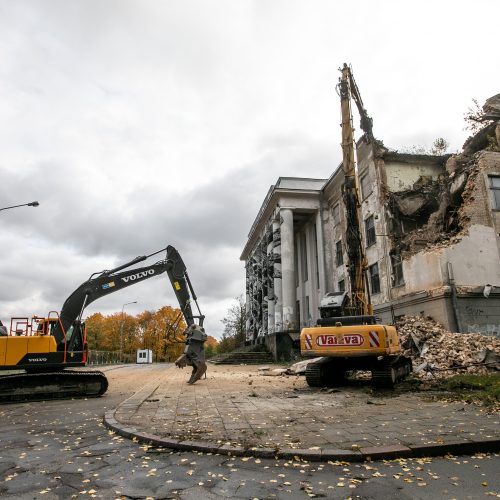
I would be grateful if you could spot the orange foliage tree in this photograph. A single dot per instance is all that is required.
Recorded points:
(161, 331)
(211, 346)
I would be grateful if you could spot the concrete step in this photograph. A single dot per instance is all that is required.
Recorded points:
(243, 357)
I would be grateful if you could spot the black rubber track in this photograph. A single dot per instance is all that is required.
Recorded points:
(53, 385)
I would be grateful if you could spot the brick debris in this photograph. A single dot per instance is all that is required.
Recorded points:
(436, 352)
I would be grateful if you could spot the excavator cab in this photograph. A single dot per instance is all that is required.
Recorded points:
(333, 304)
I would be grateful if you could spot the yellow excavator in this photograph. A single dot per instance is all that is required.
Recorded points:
(46, 348)
(347, 336)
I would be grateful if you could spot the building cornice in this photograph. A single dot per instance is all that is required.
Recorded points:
(271, 203)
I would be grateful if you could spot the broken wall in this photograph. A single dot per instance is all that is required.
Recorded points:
(403, 172)
(457, 251)
(478, 205)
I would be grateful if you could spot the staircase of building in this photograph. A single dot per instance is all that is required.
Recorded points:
(248, 355)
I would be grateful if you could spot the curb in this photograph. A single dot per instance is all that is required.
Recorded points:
(389, 452)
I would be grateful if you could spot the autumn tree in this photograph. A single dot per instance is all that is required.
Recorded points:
(94, 325)
(163, 334)
(144, 319)
(234, 334)
(211, 347)
(161, 331)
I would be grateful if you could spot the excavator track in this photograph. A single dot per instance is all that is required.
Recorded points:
(315, 375)
(387, 374)
(64, 384)
(324, 374)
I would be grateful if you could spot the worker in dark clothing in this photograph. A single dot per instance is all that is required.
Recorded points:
(3, 330)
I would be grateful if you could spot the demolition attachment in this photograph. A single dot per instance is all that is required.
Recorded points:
(194, 352)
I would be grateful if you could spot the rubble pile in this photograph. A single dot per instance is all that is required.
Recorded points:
(436, 352)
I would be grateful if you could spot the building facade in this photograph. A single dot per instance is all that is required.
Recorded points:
(430, 229)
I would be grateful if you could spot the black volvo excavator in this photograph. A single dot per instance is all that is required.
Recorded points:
(45, 348)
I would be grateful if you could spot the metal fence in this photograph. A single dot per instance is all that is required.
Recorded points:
(110, 358)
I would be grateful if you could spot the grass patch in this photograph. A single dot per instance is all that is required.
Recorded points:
(478, 389)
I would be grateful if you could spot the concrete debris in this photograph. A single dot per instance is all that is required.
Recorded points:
(439, 353)
(275, 373)
(300, 367)
(491, 108)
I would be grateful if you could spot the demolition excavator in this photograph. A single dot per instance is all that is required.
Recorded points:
(47, 348)
(347, 336)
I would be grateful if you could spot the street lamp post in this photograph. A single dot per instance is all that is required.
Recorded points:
(121, 329)
(31, 204)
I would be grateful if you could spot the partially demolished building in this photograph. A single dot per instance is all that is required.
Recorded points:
(431, 233)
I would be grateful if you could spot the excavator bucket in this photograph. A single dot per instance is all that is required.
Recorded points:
(194, 353)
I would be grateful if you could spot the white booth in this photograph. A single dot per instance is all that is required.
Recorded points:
(144, 356)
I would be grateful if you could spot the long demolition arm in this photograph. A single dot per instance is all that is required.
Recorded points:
(357, 265)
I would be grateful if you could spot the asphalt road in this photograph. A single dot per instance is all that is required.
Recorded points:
(61, 450)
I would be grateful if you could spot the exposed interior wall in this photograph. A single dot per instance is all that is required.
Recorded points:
(402, 176)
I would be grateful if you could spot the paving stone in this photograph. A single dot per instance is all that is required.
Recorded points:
(221, 412)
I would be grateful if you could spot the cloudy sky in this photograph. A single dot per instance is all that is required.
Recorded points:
(140, 123)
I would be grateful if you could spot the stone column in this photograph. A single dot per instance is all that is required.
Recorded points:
(249, 334)
(270, 281)
(278, 294)
(321, 253)
(288, 268)
(263, 285)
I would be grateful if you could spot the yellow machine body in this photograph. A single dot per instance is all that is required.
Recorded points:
(349, 341)
(13, 350)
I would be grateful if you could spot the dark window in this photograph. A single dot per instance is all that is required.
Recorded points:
(366, 185)
(336, 214)
(370, 231)
(374, 278)
(342, 286)
(397, 270)
(495, 191)
(339, 257)
(297, 313)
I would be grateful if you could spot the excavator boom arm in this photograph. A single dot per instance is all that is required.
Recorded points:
(108, 282)
(360, 302)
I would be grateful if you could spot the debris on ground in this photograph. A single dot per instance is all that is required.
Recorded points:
(300, 367)
(275, 373)
(438, 353)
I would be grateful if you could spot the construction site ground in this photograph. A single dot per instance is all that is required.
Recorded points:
(245, 410)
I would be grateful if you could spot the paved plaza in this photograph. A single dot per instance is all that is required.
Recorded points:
(242, 409)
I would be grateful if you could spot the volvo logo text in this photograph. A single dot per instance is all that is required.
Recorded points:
(143, 274)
